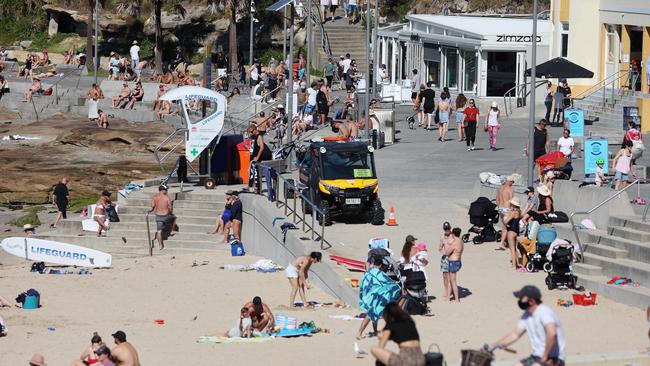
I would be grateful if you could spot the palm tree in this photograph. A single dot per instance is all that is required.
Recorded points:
(89, 33)
(234, 8)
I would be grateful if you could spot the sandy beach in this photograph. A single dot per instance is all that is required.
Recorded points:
(205, 300)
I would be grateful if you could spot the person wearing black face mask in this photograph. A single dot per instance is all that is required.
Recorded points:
(543, 327)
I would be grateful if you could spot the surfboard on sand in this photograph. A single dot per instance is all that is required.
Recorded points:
(350, 264)
(49, 251)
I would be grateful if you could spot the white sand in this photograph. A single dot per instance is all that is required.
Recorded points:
(137, 291)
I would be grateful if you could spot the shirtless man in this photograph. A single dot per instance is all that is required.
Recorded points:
(157, 103)
(124, 354)
(261, 315)
(445, 243)
(347, 130)
(165, 108)
(454, 253)
(297, 273)
(162, 206)
(124, 95)
(95, 92)
(100, 212)
(504, 195)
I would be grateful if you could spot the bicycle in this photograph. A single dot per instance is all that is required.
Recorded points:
(481, 357)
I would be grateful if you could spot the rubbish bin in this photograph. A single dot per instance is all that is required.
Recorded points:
(386, 120)
(244, 157)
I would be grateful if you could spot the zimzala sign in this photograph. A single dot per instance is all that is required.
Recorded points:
(513, 38)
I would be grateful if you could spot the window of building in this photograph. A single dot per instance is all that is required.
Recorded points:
(564, 44)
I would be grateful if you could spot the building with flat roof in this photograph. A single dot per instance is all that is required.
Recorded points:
(481, 55)
(606, 37)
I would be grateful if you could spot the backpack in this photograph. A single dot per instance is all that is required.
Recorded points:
(112, 214)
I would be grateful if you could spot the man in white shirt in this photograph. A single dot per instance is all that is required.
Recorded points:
(543, 327)
(565, 143)
(135, 54)
(346, 64)
(312, 92)
(382, 74)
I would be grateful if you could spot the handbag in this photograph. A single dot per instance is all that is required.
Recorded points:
(434, 358)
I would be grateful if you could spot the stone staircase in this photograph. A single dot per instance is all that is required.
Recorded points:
(343, 38)
(622, 250)
(606, 118)
(196, 212)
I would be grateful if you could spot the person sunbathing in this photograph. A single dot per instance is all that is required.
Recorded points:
(36, 88)
(260, 314)
(89, 356)
(136, 96)
(168, 78)
(165, 109)
(124, 96)
(46, 74)
(157, 103)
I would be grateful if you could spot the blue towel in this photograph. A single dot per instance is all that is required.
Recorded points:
(377, 290)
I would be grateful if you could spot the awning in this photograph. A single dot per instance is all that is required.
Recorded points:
(560, 68)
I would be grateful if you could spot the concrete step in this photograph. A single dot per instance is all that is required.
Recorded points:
(638, 297)
(182, 237)
(628, 233)
(181, 211)
(635, 249)
(194, 204)
(193, 220)
(628, 222)
(587, 269)
(622, 267)
(605, 251)
(133, 245)
(184, 225)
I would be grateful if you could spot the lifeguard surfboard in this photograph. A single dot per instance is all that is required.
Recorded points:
(49, 251)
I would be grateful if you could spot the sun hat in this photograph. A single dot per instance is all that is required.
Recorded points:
(135, 42)
(421, 246)
(544, 191)
(27, 227)
(515, 201)
(495, 105)
(37, 360)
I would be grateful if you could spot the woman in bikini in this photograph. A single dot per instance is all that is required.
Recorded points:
(100, 212)
(88, 357)
(511, 231)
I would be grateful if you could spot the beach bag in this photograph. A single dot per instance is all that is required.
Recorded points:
(434, 358)
(237, 248)
(557, 216)
(112, 214)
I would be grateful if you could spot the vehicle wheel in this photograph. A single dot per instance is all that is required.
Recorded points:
(324, 219)
(549, 283)
(306, 207)
(530, 267)
(377, 213)
(209, 183)
(548, 267)
(288, 191)
(465, 238)
(477, 240)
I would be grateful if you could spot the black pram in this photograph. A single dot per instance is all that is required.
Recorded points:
(483, 215)
(559, 271)
(414, 285)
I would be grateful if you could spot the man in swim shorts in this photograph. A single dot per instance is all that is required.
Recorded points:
(445, 243)
(162, 206)
(297, 273)
(504, 194)
(455, 252)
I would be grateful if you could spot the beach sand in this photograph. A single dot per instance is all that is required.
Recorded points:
(205, 300)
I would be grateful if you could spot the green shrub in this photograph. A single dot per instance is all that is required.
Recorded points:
(78, 204)
(265, 57)
(29, 218)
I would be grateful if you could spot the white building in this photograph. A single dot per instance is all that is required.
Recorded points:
(478, 55)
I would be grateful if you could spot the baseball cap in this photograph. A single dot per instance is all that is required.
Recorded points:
(106, 193)
(410, 238)
(229, 192)
(446, 225)
(529, 190)
(120, 336)
(529, 291)
(162, 187)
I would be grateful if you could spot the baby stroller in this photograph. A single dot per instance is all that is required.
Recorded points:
(535, 246)
(559, 273)
(414, 286)
(483, 215)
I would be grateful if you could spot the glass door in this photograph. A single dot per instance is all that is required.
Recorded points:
(469, 71)
(451, 68)
(433, 72)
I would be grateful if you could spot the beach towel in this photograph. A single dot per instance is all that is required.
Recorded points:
(377, 290)
(226, 340)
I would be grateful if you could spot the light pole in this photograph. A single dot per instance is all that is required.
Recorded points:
(308, 43)
(284, 35)
(375, 46)
(531, 122)
(290, 86)
(366, 100)
(96, 66)
(250, 46)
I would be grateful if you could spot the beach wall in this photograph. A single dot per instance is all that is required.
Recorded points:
(262, 236)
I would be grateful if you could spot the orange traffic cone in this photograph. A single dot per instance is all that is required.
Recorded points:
(391, 218)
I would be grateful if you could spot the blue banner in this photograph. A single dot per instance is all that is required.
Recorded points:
(576, 121)
(595, 149)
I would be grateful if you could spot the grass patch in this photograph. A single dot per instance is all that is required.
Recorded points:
(77, 204)
(316, 72)
(30, 218)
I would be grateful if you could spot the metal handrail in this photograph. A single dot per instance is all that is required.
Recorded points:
(573, 226)
(56, 85)
(254, 102)
(172, 150)
(324, 39)
(288, 210)
(517, 88)
(149, 243)
(645, 211)
(597, 86)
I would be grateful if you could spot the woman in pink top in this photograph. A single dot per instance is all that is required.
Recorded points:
(623, 165)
